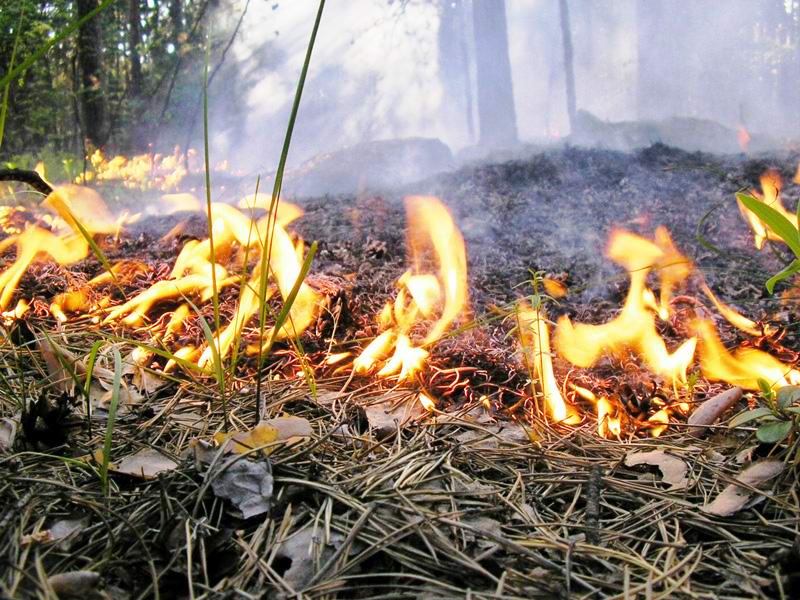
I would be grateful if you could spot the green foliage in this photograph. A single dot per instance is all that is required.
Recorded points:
(776, 421)
(782, 227)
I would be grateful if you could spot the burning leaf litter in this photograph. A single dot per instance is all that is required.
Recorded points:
(438, 497)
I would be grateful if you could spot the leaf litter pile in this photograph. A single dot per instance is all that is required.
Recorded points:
(351, 487)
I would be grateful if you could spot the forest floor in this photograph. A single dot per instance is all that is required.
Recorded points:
(366, 495)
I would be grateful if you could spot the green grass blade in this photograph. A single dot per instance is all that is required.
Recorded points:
(288, 302)
(791, 269)
(112, 417)
(779, 224)
(216, 359)
(42, 50)
(7, 87)
(88, 384)
(213, 257)
(276, 191)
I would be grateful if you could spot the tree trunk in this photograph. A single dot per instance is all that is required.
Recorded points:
(496, 116)
(93, 108)
(454, 63)
(569, 66)
(176, 18)
(134, 39)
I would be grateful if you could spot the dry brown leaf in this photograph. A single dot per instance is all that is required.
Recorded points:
(73, 584)
(734, 497)
(386, 416)
(58, 532)
(247, 484)
(145, 464)
(8, 433)
(673, 469)
(279, 429)
(710, 411)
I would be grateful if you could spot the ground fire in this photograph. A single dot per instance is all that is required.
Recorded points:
(441, 299)
(431, 298)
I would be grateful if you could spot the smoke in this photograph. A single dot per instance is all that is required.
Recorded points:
(386, 69)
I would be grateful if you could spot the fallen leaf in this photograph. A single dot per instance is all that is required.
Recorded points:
(305, 551)
(243, 442)
(386, 416)
(246, 483)
(290, 428)
(8, 433)
(145, 464)
(710, 411)
(734, 497)
(673, 469)
(74, 583)
(58, 532)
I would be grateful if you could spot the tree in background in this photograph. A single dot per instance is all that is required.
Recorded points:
(92, 98)
(569, 63)
(496, 115)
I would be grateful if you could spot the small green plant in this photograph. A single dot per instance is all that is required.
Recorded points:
(780, 226)
(779, 419)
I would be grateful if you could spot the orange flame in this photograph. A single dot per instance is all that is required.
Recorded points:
(422, 295)
(744, 367)
(535, 341)
(634, 328)
(771, 186)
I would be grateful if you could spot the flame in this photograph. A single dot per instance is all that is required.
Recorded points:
(743, 137)
(771, 186)
(634, 328)
(143, 171)
(422, 294)
(735, 318)
(608, 424)
(535, 340)
(744, 367)
(426, 402)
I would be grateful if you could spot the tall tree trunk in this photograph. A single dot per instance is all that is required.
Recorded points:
(569, 66)
(176, 18)
(134, 39)
(496, 116)
(454, 63)
(93, 109)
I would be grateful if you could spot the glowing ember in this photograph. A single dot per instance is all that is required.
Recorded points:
(422, 295)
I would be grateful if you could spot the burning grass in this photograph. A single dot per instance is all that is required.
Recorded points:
(504, 464)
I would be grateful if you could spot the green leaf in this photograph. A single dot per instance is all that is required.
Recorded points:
(750, 415)
(772, 433)
(795, 410)
(112, 417)
(779, 224)
(766, 388)
(787, 272)
(788, 395)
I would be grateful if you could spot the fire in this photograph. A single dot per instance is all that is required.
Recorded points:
(78, 212)
(743, 137)
(744, 367)
(735, 318)
(423, 293)
(634, 328)
(144, 171)
(771, 186)
(535, 341)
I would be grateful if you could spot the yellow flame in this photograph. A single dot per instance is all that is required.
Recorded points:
(423, 293)
(733, 317)
(744, 367)
(771, 186)
(608, 423)
(634, 328)
(535, 339)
